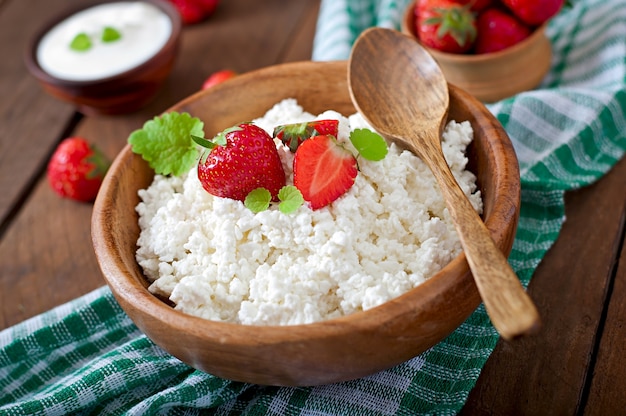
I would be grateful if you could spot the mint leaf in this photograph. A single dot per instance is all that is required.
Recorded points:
(291, 199)
(369, 144)
(110, 34)
(165, 142)
(81, 42)
(258, 200)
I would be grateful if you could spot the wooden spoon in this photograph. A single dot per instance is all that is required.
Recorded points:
(400, 90)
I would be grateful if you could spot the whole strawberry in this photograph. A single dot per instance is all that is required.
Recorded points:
(240, 160)
(218, 77)
(76, 169)
(477, 5)
(194, 11)
(498, 30)
(323, 170)
(190, 12)
(534, 12)
(445, 25)
(208, 6)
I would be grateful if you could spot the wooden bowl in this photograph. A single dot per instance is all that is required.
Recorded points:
(118, 94)
(493, 76)
(324, 352)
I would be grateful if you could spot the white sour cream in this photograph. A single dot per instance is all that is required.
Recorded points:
(144, 30)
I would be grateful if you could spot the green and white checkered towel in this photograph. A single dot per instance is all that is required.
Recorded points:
(87, 357)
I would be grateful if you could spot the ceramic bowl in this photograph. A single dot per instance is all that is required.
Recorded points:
(493, 76)
(117, 94)
(329, 351)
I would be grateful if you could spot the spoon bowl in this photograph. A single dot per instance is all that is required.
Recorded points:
(380, 94)
(400, 90)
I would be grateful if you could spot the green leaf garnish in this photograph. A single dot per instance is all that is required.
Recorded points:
(369, 144)
(165, 142)
(81, 42)
(290, 199)
(258, 200)
(110, 34)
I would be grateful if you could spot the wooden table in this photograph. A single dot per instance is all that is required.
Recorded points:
(575, 365)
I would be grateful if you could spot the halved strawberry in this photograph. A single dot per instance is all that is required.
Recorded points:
(241, 159)
(323, 170)
(293, 135)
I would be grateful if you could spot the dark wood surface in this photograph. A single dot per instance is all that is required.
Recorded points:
(574, 366)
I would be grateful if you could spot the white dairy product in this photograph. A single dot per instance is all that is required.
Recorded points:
(390, 232)
(144, 30)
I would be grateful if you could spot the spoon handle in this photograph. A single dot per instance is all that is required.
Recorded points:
(511, 310)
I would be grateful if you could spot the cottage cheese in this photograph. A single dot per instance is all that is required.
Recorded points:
(216, 259)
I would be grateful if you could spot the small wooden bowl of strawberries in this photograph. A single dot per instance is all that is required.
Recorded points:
(493, 49)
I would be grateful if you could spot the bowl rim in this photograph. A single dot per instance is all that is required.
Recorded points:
(32, 63)
(408, 28)
(128, 290)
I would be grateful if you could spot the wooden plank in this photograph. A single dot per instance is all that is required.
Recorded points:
(45, 264)
(302, 46)
(46, 252)
(242, 36)
(607, 395)
(30, 121)
(546, 374)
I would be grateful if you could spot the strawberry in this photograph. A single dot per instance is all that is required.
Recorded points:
(445, 25)
(218, 77)
(498, 30)
(240, 160)
(76, 169)
(534, 12)
(190, 11)
(208, 6)
(292, 135)
(323, 170)
(476, 5)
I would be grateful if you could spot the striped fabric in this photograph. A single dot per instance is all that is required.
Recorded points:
(86, 357)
